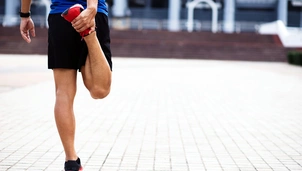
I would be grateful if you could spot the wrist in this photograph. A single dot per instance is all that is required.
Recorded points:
(92, 8)
(24, 14)
(92, 5)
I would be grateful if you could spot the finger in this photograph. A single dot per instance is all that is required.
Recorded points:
(77, 27)
(85, 27)
(33, 32)
(80, 27)
(76, 20)
(25, 36)
(78, 24)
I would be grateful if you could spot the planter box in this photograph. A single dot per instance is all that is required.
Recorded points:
(294, 58)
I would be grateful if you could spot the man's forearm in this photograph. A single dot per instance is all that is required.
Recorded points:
(25, 6)
(92, 4)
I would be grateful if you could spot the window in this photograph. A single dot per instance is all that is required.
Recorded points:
(160, 3)
(137, 3)
(261, 4)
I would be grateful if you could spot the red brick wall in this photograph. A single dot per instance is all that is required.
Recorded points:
(164, 44)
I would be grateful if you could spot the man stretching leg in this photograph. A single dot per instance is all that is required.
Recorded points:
(78, 39)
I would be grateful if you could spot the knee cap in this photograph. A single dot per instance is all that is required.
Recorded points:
(99, 93)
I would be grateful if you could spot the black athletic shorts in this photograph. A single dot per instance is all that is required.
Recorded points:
(66, 49)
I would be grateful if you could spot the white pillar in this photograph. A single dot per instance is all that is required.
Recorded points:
(120, 8)
(282, 11)
(120, 13)
(11, 13)
(229, 16)
(174, 15)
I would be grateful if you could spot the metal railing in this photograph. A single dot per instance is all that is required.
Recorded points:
(198, 25)
(256, 3)
(156, 24)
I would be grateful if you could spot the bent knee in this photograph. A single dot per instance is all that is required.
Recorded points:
(99, 93)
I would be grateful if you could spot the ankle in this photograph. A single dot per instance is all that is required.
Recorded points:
(71, 158)
(90, 36)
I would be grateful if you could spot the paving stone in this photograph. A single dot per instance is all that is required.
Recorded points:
(161, 115)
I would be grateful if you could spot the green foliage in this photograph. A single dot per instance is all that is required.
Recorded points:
(295, 58)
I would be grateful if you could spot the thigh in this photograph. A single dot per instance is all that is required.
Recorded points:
(103, 34)
(64, 44)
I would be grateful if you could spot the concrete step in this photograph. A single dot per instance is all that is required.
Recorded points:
(164, 44)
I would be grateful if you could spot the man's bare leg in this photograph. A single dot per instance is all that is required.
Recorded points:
(96, 72)
(65, 83)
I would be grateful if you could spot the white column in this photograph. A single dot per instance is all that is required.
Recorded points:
(229, 16)
(11, 13)
(120, 8)
(174, 15)
(121, 14)
(282, 11)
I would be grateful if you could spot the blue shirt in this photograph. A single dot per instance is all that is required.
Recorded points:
(59, 6)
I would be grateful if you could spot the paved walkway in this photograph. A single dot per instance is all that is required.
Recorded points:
(162, 115)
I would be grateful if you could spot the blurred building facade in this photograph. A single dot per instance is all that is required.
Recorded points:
(232, 15)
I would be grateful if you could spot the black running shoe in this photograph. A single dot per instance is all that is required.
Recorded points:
(73, 165)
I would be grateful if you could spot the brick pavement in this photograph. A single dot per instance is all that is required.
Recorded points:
(162, 115)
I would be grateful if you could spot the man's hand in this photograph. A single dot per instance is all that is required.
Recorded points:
(27, 28)
(85, 20)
